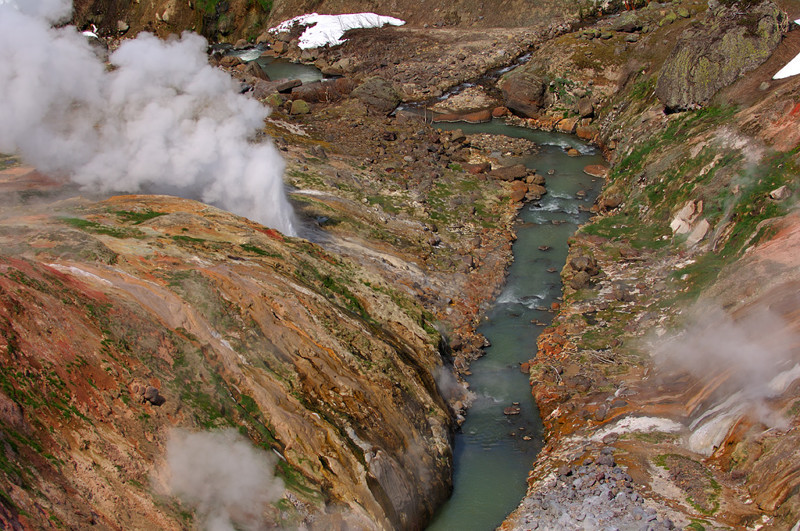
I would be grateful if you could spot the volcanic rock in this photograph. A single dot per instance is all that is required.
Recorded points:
(710, 56)
(524, 92)
(378, 94)
(510, 173)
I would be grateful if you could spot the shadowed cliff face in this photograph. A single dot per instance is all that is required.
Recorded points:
(124, 319)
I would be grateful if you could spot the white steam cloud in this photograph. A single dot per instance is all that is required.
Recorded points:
(223, 477)
(161, 119)
(752, 349)
(744, 362)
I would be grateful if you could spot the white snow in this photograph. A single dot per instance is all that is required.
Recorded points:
(642, 424)
(792, 68)
(322, 30)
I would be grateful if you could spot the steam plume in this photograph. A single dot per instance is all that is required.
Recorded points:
(223, 477)
(162, 119)
(759, 351)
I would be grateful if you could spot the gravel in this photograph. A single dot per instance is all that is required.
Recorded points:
(597, 495)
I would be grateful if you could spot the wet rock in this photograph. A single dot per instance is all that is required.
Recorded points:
(568, 125)
(596, 170)
(511, 410)
(518, 191)
(536, 191)
(229, 61)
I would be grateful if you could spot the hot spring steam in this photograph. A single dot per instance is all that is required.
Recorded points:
(162, 119)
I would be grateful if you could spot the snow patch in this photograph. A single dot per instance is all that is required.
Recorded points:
(792, 68)
(327, 30)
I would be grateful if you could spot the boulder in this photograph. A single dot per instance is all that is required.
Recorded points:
(229, 61)
(712, 55)
(499, 112)
(518, 191)
(567, 125)
(609, 202)
(524, 91)
(510, 173)
(263, 89)
(779, 194)
(580, 280)
(699, 232)
(253, 69)
(536, 191)
(585, 107)
(280, 47)
(300, 107)
(152, 395)
(596, 170)
(378, 94)
(627, 22)
(584, 263)
(323, 91)
(475, 169)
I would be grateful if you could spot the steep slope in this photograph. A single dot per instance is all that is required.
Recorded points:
(124, 319)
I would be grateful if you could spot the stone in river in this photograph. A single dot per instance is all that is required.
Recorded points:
(511, 410)
(596, 170)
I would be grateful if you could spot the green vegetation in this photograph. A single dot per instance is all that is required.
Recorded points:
(187, 239)
(258, 250)
(137, 218)
(98, 228)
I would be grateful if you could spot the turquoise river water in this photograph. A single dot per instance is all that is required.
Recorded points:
(491, 464)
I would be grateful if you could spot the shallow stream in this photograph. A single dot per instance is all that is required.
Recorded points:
(492, 457)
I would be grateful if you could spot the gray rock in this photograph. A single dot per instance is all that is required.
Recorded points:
(710, 56)
(378, 94)
(779, 194)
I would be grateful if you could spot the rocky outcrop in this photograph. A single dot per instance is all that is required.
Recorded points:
(524, 91)
(712, 55)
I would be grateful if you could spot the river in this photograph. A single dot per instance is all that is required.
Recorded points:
(494, 452)
(492, 455)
